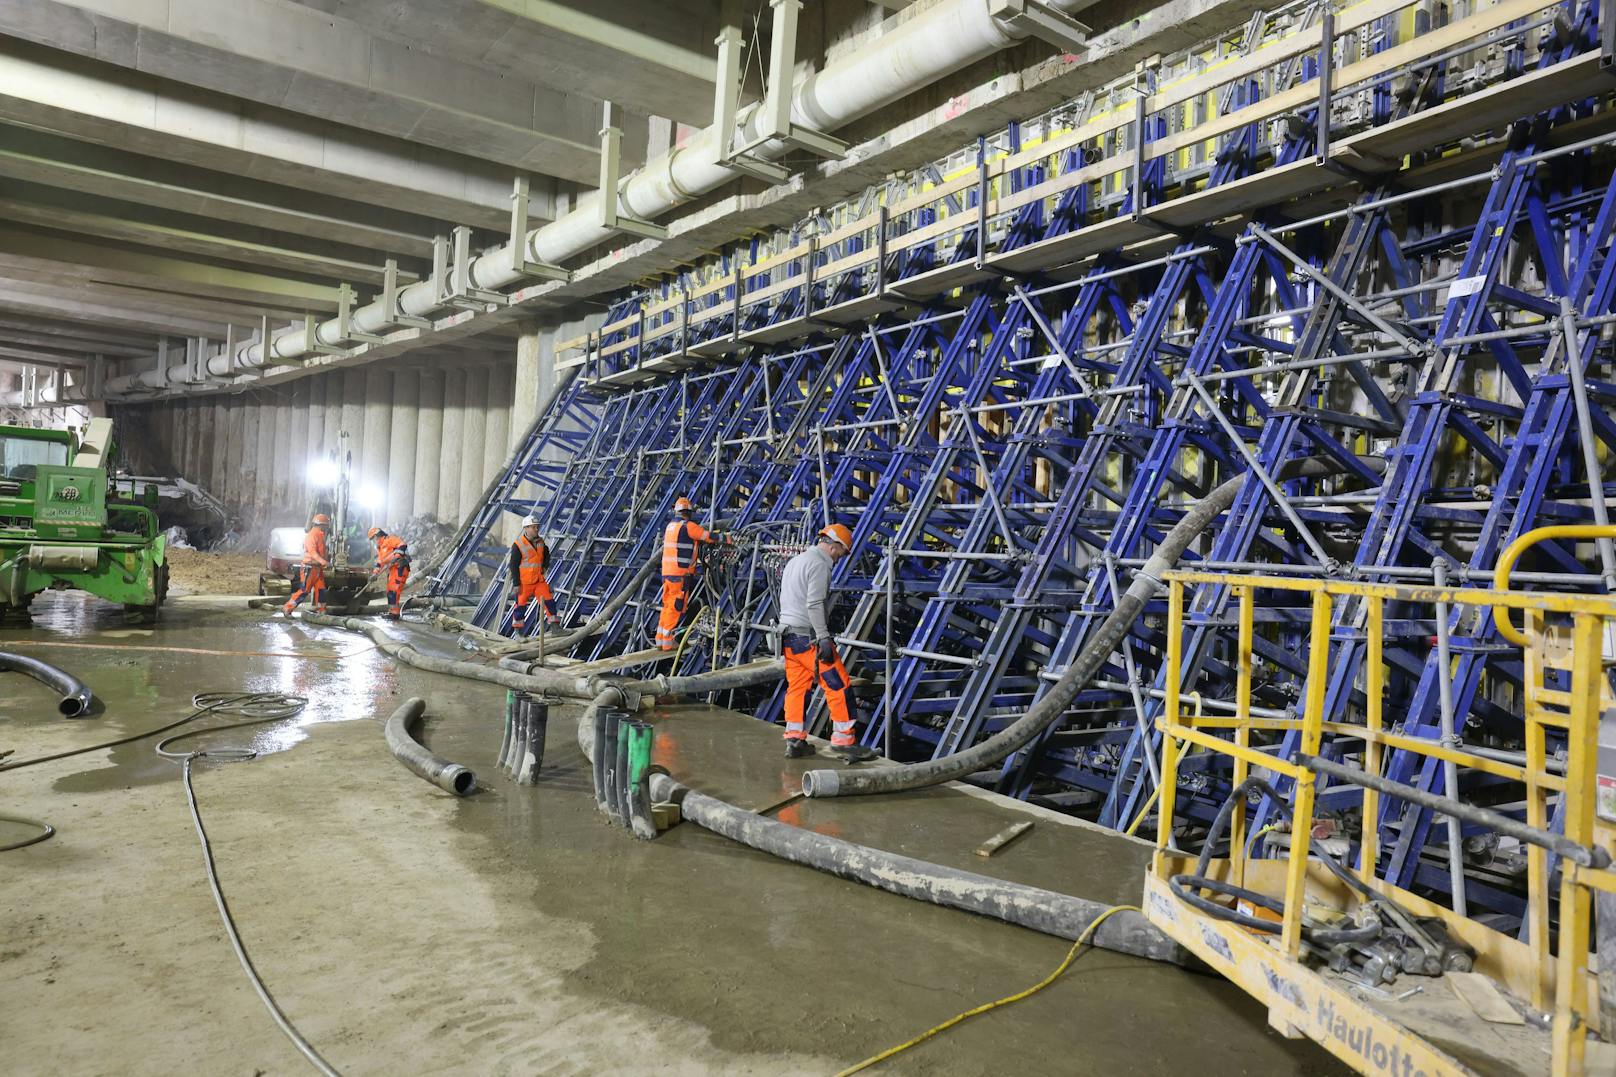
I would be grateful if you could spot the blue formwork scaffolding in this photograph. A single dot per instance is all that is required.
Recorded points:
(1377, 240)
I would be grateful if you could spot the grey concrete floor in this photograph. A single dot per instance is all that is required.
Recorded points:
(513, 932)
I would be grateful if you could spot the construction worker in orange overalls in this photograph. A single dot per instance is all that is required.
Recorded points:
(810, 648)
(392, 558)
(311, 570)
(530, 559)
(681, 560)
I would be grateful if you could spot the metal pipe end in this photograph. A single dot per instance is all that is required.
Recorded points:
(72, 706)
(459, 781)
(821, 783)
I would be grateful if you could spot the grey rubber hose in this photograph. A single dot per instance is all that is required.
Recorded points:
(407, 750)
(75, 701)
(1042, 714)
(1025, 906)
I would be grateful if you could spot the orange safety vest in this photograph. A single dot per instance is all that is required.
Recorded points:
(531, 568)
(680, 541)
(314, 548)
(387, 548)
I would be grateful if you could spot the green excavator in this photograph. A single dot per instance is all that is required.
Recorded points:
(65, 523)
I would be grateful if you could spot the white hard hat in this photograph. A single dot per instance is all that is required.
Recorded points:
(530, 521)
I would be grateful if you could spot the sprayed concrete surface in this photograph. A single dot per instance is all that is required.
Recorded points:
(512, 932)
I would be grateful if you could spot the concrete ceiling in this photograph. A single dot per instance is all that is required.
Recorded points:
(174, 167)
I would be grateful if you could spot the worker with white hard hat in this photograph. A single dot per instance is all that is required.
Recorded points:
(530, 560)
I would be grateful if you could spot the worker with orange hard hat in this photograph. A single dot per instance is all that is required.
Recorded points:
(681, 561)
(392, 558)
(311, 570)
(810, 648)
(530, 560)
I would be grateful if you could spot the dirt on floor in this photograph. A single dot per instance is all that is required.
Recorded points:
(199, 572)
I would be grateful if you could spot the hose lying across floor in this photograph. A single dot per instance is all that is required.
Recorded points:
(75, 701)
(1042, 714)
(407, 750)
(1025, 906)
(528, 649)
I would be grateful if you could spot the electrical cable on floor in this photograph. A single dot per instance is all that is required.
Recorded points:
(1071, 955)
(45, 831)
(205, 703)
(266, 707)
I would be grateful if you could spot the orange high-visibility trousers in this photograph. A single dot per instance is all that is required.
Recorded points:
(674, 597)
(803, 667)
(397, 576)
(311, 583)
(527, 592)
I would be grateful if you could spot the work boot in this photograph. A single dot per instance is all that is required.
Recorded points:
(854, 753)
(391, 616)
(799, 748)
(286, 611)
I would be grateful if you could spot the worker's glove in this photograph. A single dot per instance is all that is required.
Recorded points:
(827, 650)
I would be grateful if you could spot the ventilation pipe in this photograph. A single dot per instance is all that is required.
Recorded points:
(951, 36)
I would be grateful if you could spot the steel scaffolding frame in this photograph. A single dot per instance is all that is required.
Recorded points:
(1013, 376)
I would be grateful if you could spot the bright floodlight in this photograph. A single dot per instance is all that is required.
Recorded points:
(323, 472)
(368, 497)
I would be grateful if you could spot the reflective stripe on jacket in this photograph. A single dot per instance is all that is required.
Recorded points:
(533, 557)
(681, 539)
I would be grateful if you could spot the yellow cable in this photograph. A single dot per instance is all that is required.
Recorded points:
(1071, 955)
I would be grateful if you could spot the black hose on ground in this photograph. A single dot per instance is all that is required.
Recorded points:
(1025, 906)
(76, 697)
(407, 750)
(1044, 713)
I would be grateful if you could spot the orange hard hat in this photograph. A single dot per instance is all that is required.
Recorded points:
(683, 505)
(373, 532)
(321, 518)
(837, 533)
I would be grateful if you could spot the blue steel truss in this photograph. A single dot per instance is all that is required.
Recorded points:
(1011, 381)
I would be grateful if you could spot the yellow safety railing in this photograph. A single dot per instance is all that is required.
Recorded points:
(1571, 642)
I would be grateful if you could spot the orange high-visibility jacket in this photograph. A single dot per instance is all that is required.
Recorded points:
(531, 559)
(681, 541)
(387, 548)
(314, 547)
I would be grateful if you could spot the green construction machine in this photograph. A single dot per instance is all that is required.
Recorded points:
(66, 525)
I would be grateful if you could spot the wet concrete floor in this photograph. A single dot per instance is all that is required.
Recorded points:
(404, 930)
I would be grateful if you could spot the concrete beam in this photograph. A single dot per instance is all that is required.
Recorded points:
(111, 106)
(121, 308)
(63, 164)
(171, 238)
(71, 345)
(654, 58)
(73, 261)
(305, 61)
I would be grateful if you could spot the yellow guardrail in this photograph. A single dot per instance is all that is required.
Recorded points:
(1557, 980)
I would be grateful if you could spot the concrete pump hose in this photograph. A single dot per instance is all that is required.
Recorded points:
(553, 681)
(406, 749)
(1025, 906)
(75, 701)
(1043, 713)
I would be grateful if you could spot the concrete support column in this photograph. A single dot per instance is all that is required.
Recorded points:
(371, 482)
(220, 455)
(454, 427)
(474, 426)
(401, 453)
(264, 472)
(336, 386)
(301, 419)
(352, 421)
(497, 433)
(280, 483)
(531, 358)
(428, 444)
(244, 477)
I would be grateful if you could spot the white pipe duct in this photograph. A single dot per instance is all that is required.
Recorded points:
(951, 36)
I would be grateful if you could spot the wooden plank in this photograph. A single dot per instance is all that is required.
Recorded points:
(1482, 995)
(1003, 838)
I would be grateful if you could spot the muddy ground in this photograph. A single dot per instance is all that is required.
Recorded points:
(199, 572)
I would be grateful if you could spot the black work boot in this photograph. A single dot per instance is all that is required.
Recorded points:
(799, 749)
(854, 753)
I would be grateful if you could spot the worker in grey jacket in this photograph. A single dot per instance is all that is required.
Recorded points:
(810, 648)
